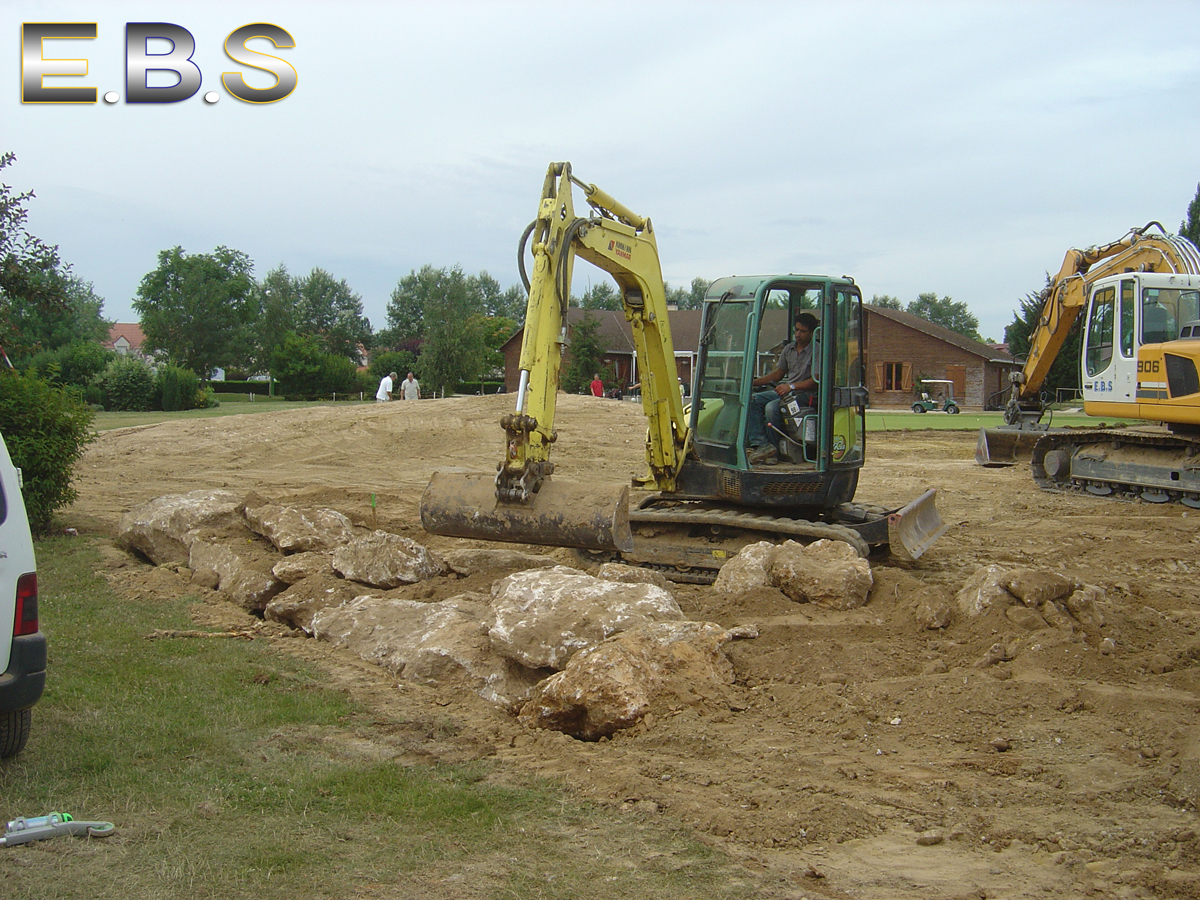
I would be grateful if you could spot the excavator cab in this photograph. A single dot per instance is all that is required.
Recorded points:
(746, 323)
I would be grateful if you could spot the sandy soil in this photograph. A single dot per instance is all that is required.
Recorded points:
(868, 757)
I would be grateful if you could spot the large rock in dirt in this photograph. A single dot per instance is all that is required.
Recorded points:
(297, 605)
(470, 560)
(294, 530)
(544, 616)
(984, 589)
(1037, 587)
(634, 575)
(385, 560)
(827, 573)
(747, 570)
(830, 574)
(444, 644)
(160, 530)
(247, 583)
(613, 685)
(299, 566)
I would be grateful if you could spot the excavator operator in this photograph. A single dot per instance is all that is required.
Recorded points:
(792, 373)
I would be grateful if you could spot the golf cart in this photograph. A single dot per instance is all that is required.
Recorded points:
(936, 393)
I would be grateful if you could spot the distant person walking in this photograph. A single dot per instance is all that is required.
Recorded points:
(597, 386)
(410, 388)
(386, 383)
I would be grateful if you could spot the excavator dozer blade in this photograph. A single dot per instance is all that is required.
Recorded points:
(913, 529)
(562, 513)
(1005, 446)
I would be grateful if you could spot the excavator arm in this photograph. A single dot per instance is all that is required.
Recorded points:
(1067, 295)
(621, 243)
(523, 503)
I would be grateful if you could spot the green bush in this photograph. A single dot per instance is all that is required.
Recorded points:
(180, 389)
(75, 364)
(127, 384)
(46, 429)
(303, 369)
(399, 361)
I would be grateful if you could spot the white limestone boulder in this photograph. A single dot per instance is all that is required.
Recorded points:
(614, 685)
(161, 529)
(544, 616)
(384, 560)
(443, 644)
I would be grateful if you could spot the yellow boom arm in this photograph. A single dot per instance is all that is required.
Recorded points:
(621, 243)
(1067, 292)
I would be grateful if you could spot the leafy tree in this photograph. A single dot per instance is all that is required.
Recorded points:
(586, 358)
(279, 297)
(200, 308)
(51, 326)
(494, 333)
(399, 361)
(1190, 226)
(695, 298)
(452, 340)
(32, 281)
(406, 308)
(331, 312)
(512, 304)
(948, 313)
(46, 429)
(1064, 371)
(886, 302)
(601, 295)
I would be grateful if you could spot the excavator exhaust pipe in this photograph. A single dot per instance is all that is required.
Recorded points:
(562, 513)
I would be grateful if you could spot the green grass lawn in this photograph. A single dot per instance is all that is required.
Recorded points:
(231, 770)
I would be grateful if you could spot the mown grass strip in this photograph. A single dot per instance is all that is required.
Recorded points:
(226, 768)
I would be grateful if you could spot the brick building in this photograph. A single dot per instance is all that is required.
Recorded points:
(902, 349)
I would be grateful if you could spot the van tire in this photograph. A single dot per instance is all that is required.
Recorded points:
(14, 731)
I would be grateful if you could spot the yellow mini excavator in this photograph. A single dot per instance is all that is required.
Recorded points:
(1140, 298)
(701, 499)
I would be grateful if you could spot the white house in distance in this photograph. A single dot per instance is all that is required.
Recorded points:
(127, 339)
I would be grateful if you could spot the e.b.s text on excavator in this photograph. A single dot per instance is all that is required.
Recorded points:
(701, 499)
(1140, 358)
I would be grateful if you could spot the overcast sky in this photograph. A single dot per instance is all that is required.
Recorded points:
(953, 147)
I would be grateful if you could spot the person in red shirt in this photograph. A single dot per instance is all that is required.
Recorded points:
(597, 386)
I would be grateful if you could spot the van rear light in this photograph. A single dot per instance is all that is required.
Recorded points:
(26, 619)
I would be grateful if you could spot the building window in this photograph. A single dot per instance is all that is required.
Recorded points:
(893, 376)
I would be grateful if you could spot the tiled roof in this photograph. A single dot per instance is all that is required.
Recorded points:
(131, 331)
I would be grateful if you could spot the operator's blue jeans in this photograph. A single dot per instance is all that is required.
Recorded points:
(764, 408)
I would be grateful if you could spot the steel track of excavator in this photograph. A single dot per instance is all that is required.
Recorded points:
(688, 542)
(1157, 467)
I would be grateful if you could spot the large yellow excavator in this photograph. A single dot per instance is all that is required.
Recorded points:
(701, 500)
(1140, 297)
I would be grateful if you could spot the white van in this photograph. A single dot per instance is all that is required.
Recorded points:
(22, 644)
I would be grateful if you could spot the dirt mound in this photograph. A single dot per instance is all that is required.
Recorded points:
(891, 752)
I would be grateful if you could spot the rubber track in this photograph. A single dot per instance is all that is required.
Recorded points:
(750, 522)
(1121, 490)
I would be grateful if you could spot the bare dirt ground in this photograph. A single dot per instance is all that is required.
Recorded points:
(868, 756)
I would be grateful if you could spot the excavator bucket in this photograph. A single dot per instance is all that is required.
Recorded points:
(562, 513)
(1005, 446)
(913, 529)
